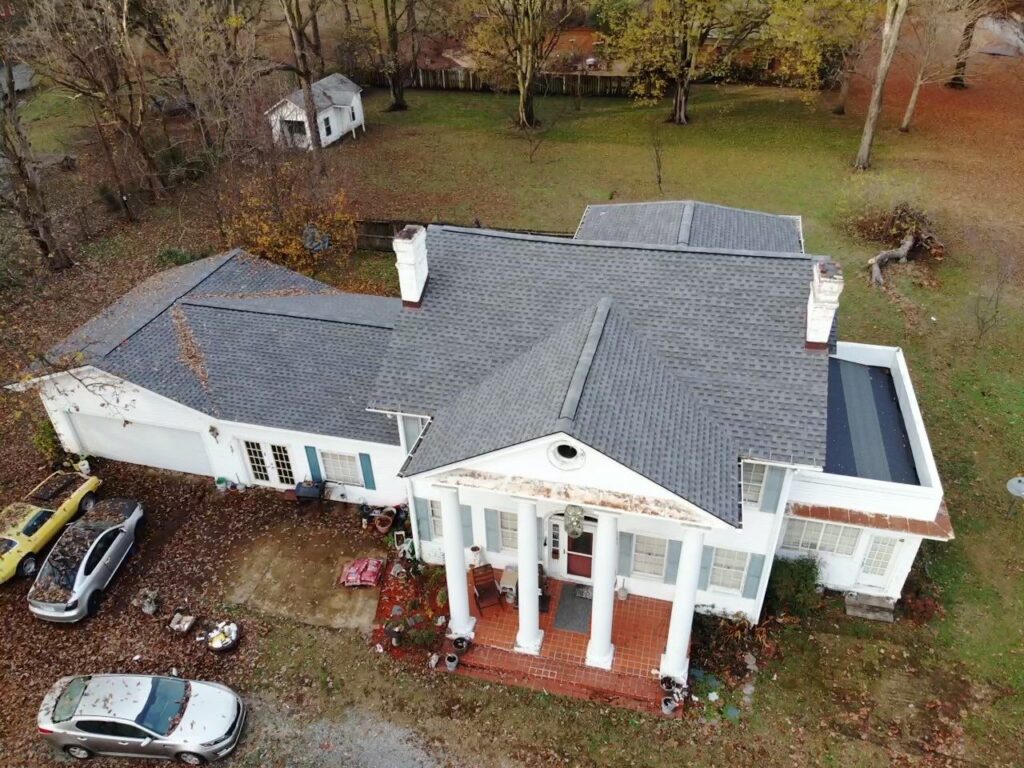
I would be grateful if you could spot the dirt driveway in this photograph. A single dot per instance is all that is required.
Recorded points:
(291, 571)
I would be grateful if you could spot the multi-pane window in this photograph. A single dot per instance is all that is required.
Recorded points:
(341, 468)
(283, 463)
(876, 563)
(435, 519)
(649, 556)
(812, 536)
(509, 523)
(753, 482)
(728, 569)
(257, 462)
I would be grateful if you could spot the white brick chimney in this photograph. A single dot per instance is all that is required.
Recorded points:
(822, 303)
(411, 260)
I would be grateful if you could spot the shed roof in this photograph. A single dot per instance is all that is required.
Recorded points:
(332, 91)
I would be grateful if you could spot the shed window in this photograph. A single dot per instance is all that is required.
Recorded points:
(753, 482)
(341, 468)
(649, 556)
(729, 570)
(509, 530)
(327, 126)
(812, 536)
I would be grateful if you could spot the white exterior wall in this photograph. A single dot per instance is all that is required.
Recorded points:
(99, 394)
(344, 120)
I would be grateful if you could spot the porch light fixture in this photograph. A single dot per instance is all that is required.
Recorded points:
(573, 521)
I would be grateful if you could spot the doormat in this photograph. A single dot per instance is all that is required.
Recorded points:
(573, 613)
(584, 591)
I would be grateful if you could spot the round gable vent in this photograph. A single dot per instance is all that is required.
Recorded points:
(565, 455)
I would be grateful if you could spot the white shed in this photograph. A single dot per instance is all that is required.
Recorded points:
(339, 110)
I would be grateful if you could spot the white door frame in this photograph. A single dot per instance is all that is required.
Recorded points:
(559, 568)
(267, 451)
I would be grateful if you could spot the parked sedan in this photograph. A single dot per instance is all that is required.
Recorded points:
(84, 560)
(26, 527)
(142, 716)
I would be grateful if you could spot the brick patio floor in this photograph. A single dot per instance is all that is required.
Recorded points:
(638, 633)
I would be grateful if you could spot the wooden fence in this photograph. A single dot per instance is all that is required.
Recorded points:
(583, 83)
(377, 234)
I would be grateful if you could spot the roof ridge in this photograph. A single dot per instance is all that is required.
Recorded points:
(584, 363)
(210, 304)
(569, 241)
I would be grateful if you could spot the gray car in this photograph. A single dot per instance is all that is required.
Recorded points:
(142, 716)
(85, 558)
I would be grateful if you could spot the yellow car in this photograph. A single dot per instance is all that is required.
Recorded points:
(28, 526)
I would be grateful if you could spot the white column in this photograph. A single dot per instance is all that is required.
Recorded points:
(675, 662)
(600, 650)
(530, 636)
(460, 623)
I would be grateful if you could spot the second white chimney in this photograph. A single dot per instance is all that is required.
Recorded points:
(411, 260)
(823, 302)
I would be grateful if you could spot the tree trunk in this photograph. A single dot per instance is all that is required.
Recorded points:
(895, 11)
(959, 78)
(318, 47)
(844, 92)
(908, 114)
(527, 116)
(396, 78)
(305, 74)
(348, 12)
(122, 193)
(681, 102)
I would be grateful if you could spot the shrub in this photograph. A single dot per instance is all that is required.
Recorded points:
(175, 257)
(46, 441)
(793, 587)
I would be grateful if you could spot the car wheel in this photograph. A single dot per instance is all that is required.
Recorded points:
(88, 502)
(189, 758)
(27, 566)
(79, 753)
(92, 607)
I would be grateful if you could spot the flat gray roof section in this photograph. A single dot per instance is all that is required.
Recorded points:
(867, 434)
(689, 222)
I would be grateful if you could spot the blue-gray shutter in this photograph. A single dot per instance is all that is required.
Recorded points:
(467, 525)
(625, 554)
(705, 567)
(492, 522)
(772, 489)
(754, 570)
(672, 552)
(314, 464)
(367, 467)
(422, 509)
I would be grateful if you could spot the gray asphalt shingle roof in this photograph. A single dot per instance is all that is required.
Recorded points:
(598, 380)
(332, 91)
(688, 222)
(731, 326)
(245, 340)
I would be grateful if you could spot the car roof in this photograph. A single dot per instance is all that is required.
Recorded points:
(115, 696)
(14, 516)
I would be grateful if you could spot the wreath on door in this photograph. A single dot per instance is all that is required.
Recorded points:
(573, 521)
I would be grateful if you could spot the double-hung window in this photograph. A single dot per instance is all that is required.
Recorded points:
(649, 556)
(812, 536)
(753, 483)
(341, 468)
(509, 524)
(728, 570)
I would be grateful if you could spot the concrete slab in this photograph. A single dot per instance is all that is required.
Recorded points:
(291, 572)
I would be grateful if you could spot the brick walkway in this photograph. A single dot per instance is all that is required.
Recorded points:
(638, 633)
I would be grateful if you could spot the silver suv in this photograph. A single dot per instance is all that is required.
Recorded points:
(142, 716)
(84, 560)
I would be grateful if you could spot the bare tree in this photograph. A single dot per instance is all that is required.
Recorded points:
(23, 191)
(895, 11)
(988, 306)
(657, 152)
(299, 17)
(88, 48)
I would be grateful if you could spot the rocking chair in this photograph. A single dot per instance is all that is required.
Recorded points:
(485, 587)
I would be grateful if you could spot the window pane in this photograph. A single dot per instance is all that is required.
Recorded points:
(649, 556)
(753, 481)
(257, 463)
(794, 530)
(812, 534)
(829, 538)
(341, 468)
(509, 530)
(728, 569)
(848, 540)
(877, 561)
(435, 518)
(283, 462)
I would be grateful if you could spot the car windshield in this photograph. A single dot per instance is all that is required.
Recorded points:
(166, 704)
(6, 545)
(68, 700)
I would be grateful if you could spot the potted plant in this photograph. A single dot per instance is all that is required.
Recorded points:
(395, 629)
(461, 645)
(669, 705)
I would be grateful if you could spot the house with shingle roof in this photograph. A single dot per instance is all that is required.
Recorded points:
(629, 426)
(339, 111)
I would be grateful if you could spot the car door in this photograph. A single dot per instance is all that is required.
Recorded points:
(118, 551)
(99, 566)
(114, 737)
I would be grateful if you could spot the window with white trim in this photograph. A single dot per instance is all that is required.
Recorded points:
(341, 468)
(509, 524)
(812, 536)
(649, 556)
(283, 464)
(728, 569)
(753, 482)
(257, 462)
(435, 519)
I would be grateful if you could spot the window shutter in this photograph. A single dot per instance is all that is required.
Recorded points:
(754, 569)
(422, 508)
(467, 525)
(705, 567)
(772, 489)
(314, 464)
(492, 520)
(672, 553)
(367, 467)
(625, 554)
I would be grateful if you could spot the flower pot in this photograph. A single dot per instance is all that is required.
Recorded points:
(668, 684)
(461, 645)
(669, 705)
(451, 661)
(476, 554)
(383, 523)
